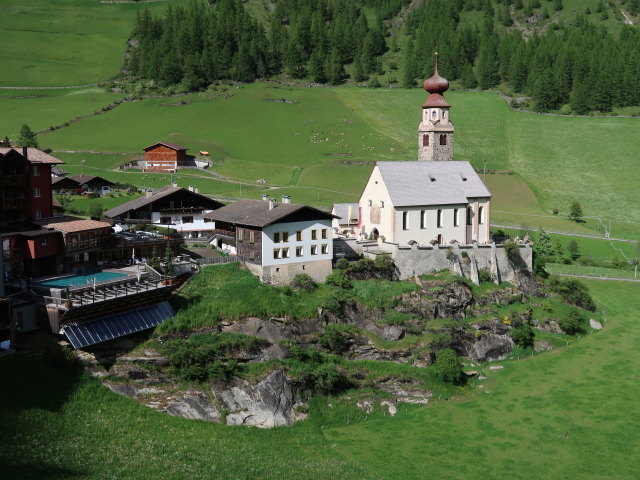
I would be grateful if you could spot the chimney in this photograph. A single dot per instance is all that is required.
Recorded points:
(286, 199)
(196, 189)
(265, 197)
(190, 188)
(149, 193)
(271, 205)
(174, 183)
(25, 153)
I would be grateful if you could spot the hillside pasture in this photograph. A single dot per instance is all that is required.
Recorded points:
(76, 43)
(567, 413)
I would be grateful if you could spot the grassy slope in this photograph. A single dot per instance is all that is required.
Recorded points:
(76, 43)
(569, 413)
(566, 414)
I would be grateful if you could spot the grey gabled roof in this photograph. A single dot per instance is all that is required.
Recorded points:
(256, 213)
(341, 210)
(431, 183)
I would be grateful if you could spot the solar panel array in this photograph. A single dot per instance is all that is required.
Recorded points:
(117, 325)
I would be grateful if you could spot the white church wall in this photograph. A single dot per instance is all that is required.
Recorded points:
(415, 232)
(376, 208)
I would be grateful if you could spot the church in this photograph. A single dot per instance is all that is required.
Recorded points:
(434, 200)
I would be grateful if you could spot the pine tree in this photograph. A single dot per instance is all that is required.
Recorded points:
(316, 66)
(487, 65)
(27, 137)
(557, 5)
(409, 72)
(468, 77)
(335, 69)
(358, 74)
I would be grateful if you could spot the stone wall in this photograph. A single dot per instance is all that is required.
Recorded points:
(283, 274)
(421, 260)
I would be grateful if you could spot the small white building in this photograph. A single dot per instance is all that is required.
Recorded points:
(345, 222)
(278, 240)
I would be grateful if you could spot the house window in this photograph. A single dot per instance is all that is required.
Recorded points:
(165, 220)
(456, 219)
(252, 236)
(325, 249)
(36, 170)
(299, 235)
(324, 233)
(425, 140)
(314, 249)
(285, 236)
(240, 234)
(481, 215)
(171, 204)
(405, 221)
(36, 192)
(299, 252)
(276, 237)
(251, 254)
(314, 234)
(187, 219)
(439, 218)
(38, 214)
(276, 253)
(44, 242)
(285, 253)
(423, 219)
(443, 139)
(469, 216)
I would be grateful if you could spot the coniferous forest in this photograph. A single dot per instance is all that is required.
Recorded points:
(575, 66)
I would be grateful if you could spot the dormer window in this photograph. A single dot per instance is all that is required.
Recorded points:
(431, 177)
(463, 177)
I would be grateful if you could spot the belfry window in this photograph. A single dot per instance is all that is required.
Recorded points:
(443, 139)
(425, 140)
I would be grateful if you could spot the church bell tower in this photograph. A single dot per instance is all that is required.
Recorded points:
(435, 132)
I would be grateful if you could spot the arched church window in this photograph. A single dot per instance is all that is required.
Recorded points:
(370, 203)
(481, 215)
(405, 221)
(443, 139)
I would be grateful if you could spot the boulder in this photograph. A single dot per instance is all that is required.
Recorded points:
(393, 333)
(269, 403)
(130, 390)
(549, 325)
(490, 347)
(195, 406)
(596, 325)
(256, 327)
(542, 346)
(404, 390)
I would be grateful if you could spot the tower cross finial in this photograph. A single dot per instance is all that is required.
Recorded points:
(436, 66)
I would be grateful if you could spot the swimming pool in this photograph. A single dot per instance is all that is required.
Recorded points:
(81, 280)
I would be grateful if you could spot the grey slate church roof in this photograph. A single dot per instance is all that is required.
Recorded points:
(431, 183)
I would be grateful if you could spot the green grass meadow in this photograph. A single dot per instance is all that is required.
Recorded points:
(76, 43)
(568, 413)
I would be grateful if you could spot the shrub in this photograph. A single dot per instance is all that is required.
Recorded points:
(323, 378)
(335, 337)
(484, 275)
(338, 279)
(523, 335)
(303, 281)
(572, 323)
(573, 292)
(511, 248)
(449, 367)
(342, 264)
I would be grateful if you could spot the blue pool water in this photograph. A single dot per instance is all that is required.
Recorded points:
(82, 280)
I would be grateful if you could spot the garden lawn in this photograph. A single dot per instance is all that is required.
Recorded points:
(75, 42)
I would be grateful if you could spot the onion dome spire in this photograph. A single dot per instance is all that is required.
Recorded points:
(436, 86)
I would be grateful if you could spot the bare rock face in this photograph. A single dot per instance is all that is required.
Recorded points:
(194, 405)
(269, 403)
(130, 390)
(404, 390)
(490, 347)
(550, 326)
(393, 333)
